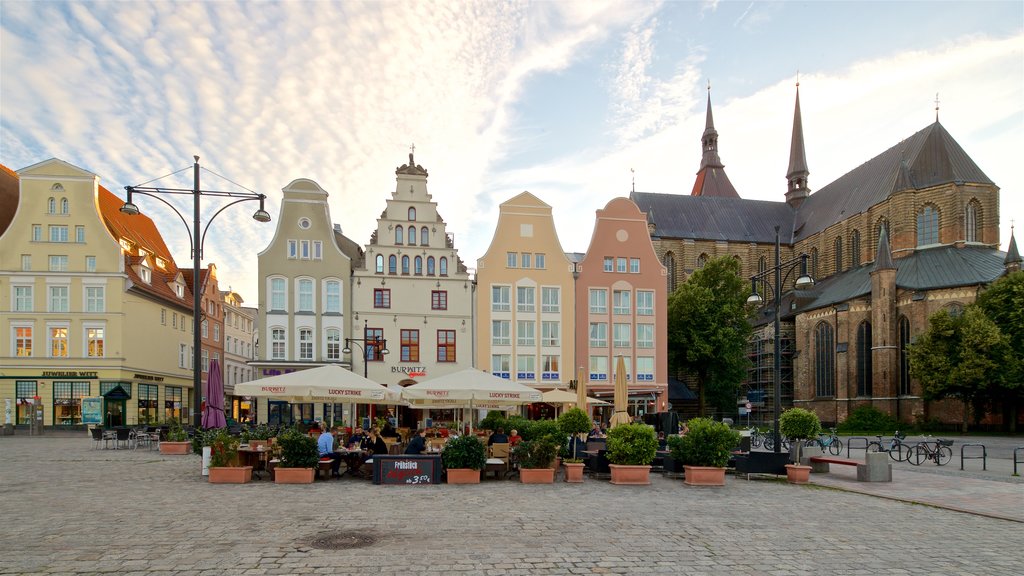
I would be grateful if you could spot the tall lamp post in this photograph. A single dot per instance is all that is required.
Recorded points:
(802, 281)
(372, 348)
(196, 241)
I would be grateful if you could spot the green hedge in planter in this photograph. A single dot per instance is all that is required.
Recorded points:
(574, 422)
(799, 425)
(464, 452)
(223, 449)
(298, 450)
(536, 453)
(632, 445)
(707, 443)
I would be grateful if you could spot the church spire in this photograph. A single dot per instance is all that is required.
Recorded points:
(711, 178)
(883, 259)
(1013, 259)
(797, 173)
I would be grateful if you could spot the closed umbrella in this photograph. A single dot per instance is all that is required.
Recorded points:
(621, 416)
(581, 392)
(213, 415)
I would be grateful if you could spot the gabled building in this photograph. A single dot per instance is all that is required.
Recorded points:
(211, 323)
(239, 344)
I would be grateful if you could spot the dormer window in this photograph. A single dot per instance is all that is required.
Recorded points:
(143, 253)
(161, 263)
(126, 245)
(179, 290)
(146, 273)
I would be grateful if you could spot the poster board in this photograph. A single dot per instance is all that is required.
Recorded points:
(92, 410)
(406, 469)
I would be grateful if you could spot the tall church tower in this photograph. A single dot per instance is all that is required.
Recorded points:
(884, 346)
(797, 173)
(711, 178)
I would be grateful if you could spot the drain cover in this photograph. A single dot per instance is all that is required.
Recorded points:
(342, 540)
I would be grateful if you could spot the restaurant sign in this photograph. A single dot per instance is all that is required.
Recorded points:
(406, 469)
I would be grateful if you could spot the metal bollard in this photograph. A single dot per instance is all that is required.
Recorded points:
(983, 457)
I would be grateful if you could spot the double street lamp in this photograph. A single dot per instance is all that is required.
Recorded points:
(781, 272)
(372, 348)
(196, 241)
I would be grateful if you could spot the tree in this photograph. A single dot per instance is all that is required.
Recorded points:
(708, 331)
(1003, 303)
(959, 356)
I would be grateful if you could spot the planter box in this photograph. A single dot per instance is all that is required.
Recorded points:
(230, 474)
(630, 475)
(537, 475)
(797, 474)
(573, 472)
(293, 475)
(463, 476)
(704, 476)
(175, 447)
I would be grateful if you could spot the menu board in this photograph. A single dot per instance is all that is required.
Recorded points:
(92, 410)
(406, 469)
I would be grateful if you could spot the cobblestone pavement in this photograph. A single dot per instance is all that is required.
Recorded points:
(67, 509)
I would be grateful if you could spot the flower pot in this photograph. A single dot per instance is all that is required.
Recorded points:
(537, 475)
(230, 474)
(630, 475)
(293, 475)
(175, 447)
(797, 474)
(573, 472)
(704, 476)
(463, 476)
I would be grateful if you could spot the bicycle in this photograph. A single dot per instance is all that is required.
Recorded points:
(897, 449)
(769, 442)
(756, 437)
(830, 442)
(941, 453)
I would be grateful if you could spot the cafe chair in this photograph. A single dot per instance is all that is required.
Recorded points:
(498, 457)
(97, 437)
(122, 436)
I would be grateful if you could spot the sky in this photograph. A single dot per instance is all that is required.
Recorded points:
(576, 102)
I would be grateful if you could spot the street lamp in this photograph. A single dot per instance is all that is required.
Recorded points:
(371, 348)
(802, 281)
(196, 242)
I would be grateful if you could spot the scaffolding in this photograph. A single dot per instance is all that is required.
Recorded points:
(760, 383)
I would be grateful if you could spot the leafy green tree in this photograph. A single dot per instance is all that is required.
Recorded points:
(960, 356)
(708, 331)
(1003, 303)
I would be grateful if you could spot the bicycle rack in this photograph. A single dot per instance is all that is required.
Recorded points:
(859, 439)
(1015, 459)
(983, 457)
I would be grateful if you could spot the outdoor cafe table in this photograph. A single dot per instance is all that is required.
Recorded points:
(255, 457)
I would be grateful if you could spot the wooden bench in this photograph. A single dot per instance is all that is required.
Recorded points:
(820, 463)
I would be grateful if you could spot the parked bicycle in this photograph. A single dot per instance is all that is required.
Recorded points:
(830, 442)
(897, 449)
(769, 442)
(937, 451)
(756, 437)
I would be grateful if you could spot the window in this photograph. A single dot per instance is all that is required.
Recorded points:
(25, 390)
(634, 265)
(58, 233)
(417, 266)
(599, 368)
(183, 356)
(173, 406)
(392, 264)
(627, 364)
(95, 299)
(332, 294)
(598, 335)
(500, 365)
(412, 235)
(621, 337)
(824, 361)
(64, 208)
(206, 360)
(645, 335)
(438, 299)
(174, 320)
(598, 301)
(927, 226)
(58, 344)
(399, 235)
(305, 344)
(525, 299)
(305, 223)
(58, 299)
(58, 263)
(511, 259)
(205, 329)
(305, 295)
(410, 351)
(500, 333)
(526, 367)
(904, 350)
(37, 233)
(216, 332)
(179, 289)
(381, 298)
(424, 236)
(26, 262)
(526, 333)
(702, 260)
(304, 249)
(971, 222)
(80, 234)
(412, 214)
(549, 297)
(293, 249)
(839, 254)
(51, 205)
(374, 349)
(430, 265)
(23, 298)
(549, 333)
(277, 295)
(538, 261)
(609, 264)
(620, 264)
(621, 302)
(500, 299)
(855, 248)
(864, 359)
(22, 340)
(90, 263)
(94, 342)
(549, 367)
(145, 273)
(645, 302)
(163, 316)
(446, 345)
(526, 259)
(148, 403)
(379, 266)
(277, 344)
(318, 250)
(645, 369)
(67, 402)
(443, 266)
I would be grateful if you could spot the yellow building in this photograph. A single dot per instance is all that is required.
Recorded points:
(92, 305)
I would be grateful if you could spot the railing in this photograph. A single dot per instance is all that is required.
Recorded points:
(983, 457)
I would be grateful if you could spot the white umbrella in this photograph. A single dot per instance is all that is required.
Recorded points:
(470, 387)
(329, 383)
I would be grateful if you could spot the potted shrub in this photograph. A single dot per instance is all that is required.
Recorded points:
(177, 441)
(799, 425)
(536, 458)
(463, 458)
(495, 419)
(260, 435)
(573, 424)
(299, 458)
(705, 450)
(631, 449)
(224, 468)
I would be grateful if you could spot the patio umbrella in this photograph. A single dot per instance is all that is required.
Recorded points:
(621, 416)
(581, 392)
(329, 383)
(470, 387)
(213, 415)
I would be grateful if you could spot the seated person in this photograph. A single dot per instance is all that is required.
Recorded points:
(376, 444)
(418, 444)
(595, 432)
(514, 438)
(662, 442)
(325, 444)
(498, 437)
(358, 439)
(443, 432)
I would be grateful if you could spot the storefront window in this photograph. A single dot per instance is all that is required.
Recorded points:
(25, 390)
(67, 402)
(172, 403)
(148, 403)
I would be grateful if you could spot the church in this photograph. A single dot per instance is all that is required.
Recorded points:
(907, 233)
